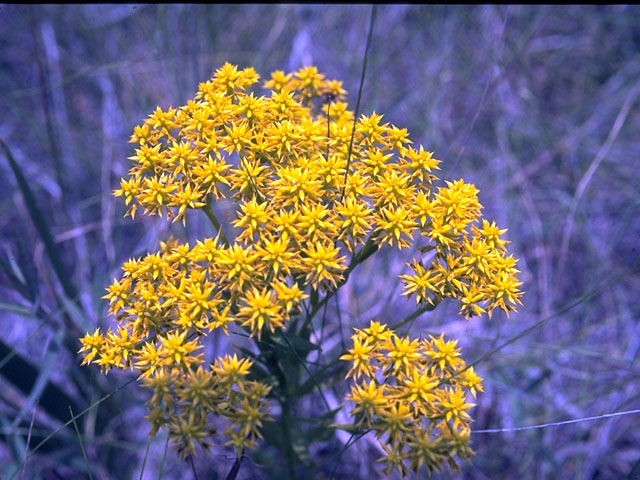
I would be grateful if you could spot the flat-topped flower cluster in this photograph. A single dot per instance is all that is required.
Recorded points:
(413, 395)
(315, 194)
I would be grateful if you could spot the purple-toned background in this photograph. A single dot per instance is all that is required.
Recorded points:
(538, 106)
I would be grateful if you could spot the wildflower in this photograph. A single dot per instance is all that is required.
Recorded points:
(258, 309)
(323, 265)
(417, 400)
(361, 357)
(300, 222)
(92, 344)
(369, 399)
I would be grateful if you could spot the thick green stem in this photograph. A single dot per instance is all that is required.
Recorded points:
(286, 427)
(283, 395)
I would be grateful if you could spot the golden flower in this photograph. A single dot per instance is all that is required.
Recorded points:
(309, 204)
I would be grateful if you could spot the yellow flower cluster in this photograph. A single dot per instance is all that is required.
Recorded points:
(414, 396)
(183, 399)
(471, 267)
(166, 304)
(315, 193)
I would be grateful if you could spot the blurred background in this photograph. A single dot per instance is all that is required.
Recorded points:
(538, 106)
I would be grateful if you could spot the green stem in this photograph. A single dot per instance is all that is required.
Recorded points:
(214, 221)
(369, 249)
(283, 396)
(286, 425)
(414, 315)
(311, 376)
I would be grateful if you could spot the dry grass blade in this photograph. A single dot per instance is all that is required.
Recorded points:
(40, 384)
(33, 418)
(588, 175)
(74, 417)
(592, 293)
(38, 219)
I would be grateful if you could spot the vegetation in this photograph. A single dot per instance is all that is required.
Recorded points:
(269, 222)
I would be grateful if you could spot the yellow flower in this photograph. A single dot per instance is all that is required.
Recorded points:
(149, 360)
(323, 265)
(419, 415)
(92, 344)
(237, 263)
(504, 288)
(252, 219)
(277, 255)
(176, 350)
(361, 357)
(392, 188)
(279, 80)
(315, 223)
(259, 309)
(403, 352)
(295, 186)
(396, 420)
(370, 399)
(371, 129)
(378, 332)
(289, 296)
(229, 368)
(418, 388)
(396, 224)
(421, 163)
(422, 283)
(443, 353)
(455, 406)
(472, 381)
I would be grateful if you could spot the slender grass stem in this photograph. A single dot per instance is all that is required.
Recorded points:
(306, 369)
(73, 419)
(84, 453)
(355, 113)
(594, 292)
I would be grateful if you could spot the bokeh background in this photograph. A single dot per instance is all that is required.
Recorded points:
(538, 106)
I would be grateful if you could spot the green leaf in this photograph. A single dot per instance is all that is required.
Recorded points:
(321, 433)
(247, 352)
(324, 378)
(301, 345)
(333, 370)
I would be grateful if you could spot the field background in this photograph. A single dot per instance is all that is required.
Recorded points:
(538, 106)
